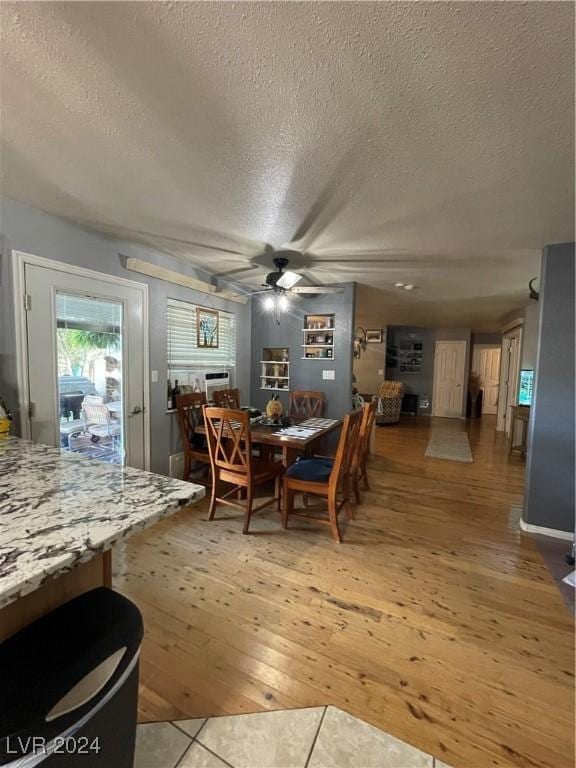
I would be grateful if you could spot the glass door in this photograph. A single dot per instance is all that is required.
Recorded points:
(89, 360)
(85, 341)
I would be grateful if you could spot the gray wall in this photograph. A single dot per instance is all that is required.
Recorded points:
(487, 338)
(530, 335)
(419, 383)
(30, 230)
(307, 374)
(423, 383)
(549, 496)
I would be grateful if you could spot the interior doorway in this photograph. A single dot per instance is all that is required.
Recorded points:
(486, 363)
(83, 361)
(510, 360)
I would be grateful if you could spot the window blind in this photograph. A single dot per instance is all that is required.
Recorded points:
(85, 313)
(183, 351)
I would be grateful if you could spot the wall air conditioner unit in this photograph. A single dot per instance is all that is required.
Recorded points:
(216, 380)
(208, 381)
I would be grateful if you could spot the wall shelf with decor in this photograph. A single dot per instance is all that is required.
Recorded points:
(275, 374)
(410, 356)
(318, 337)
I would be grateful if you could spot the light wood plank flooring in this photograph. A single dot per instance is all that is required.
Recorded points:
(436, 619)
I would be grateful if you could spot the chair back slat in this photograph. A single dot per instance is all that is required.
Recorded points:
(229, 439)
(96, 413)
(347, 443)
(190, 415)
(227, 398)
(363, 442)
(306, 404)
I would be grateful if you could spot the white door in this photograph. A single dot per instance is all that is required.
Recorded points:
(85, 364)
(449, 378)
(486, 363)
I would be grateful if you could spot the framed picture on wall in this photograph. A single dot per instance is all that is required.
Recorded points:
(374, 337)
(207, 328)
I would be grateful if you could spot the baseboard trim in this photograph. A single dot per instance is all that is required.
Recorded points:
(552, 532)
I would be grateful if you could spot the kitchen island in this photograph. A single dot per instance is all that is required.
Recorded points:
(60, 514)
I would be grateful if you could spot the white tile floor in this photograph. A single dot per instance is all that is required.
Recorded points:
(318, 737)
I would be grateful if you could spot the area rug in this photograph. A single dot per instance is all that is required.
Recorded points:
(446, 444)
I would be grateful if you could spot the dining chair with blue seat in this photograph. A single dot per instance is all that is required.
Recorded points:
(325, 477)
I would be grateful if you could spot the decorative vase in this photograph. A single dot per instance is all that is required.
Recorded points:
(274, 408)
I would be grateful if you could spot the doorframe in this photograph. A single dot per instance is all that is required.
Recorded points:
(435, 388)
(21, 259)
(514, 332)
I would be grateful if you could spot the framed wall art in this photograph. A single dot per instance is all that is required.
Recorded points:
(207, 328)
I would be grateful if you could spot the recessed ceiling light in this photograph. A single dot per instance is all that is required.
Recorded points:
(399, 285)
(409, 287)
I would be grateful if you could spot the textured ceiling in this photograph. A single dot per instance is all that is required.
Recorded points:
(430, 143)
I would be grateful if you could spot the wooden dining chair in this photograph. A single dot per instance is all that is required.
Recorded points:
(230, 447)
(305, 404)
(190, 416)
(358, 467)
(226, 398)
(329, 478)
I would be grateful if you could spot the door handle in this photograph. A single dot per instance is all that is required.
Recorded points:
(136, 410)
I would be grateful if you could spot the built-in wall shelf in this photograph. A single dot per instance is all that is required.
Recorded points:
(275, 374)
(319, 337)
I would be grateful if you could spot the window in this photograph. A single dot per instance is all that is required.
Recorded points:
(184, 354)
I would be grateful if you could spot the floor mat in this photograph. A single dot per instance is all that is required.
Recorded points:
(450, 445)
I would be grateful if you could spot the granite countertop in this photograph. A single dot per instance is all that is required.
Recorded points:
(58, 509)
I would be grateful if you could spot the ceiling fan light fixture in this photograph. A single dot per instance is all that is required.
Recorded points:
(288, 279)
(399, 285)
(409, 287)
(283, 304)
(269, 303)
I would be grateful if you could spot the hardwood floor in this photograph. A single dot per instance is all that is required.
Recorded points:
(435, 620)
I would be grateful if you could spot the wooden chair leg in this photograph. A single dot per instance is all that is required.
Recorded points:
(356, 487)
(278, 492)
(248, 515)
(333, 514)
(187, 466)
(213, 497)
(365, 476)
(287, 505)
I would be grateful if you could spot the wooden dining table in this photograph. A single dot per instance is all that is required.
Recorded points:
(291, 447)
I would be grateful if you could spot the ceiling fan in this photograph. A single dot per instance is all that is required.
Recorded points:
(282, 283)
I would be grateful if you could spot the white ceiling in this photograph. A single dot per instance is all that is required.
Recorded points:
(435, 140)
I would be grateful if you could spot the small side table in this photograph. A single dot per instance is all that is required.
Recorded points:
(410, 404)
(520, 413)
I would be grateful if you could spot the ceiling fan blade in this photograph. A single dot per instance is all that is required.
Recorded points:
(312, 289)
(288, 280)
(252, 293)
(237, 271)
